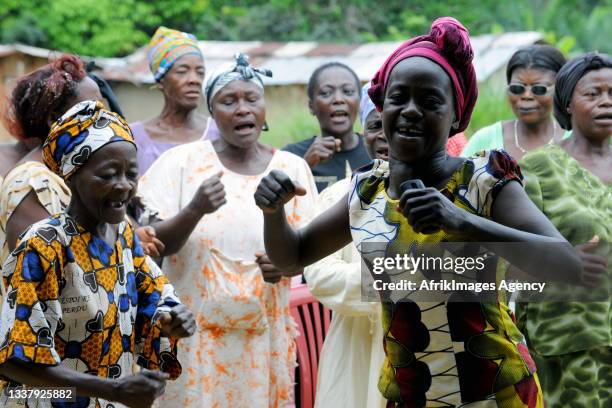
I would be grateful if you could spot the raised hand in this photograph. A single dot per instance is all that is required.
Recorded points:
(179, 322)
(322, 150)
(275, 190)
(429, 211)
(140, 390)
(210, 195)
(151, 245)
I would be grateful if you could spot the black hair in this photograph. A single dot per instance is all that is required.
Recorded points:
(314, 78)
(541, 56)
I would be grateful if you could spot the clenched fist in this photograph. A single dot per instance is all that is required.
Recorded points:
(275, 190)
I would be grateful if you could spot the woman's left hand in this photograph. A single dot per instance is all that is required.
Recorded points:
(271, 273)
(151, 245)
(179, 322)
(429, 211)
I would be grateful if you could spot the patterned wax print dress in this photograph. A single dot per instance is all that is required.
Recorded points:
(74, 300)
(31, 176)
(444, 354)
(571, 342)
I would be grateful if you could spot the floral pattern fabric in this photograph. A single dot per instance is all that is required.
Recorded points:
(243, 354)
(74, 300)
(446, 353)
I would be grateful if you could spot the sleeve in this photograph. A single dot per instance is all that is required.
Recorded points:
(336, 280)
(159, 189)
(50, 190)
(31, 310)
(492, 171)
(481, 140)
(155, 294)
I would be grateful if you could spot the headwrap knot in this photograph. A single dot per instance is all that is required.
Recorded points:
(240, 69)
(448, 45)
(82, 130)
(166, 47)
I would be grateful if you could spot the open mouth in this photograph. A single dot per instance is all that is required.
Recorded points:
(605, 117)
(245, 127)
(116, 204)
(407, 131)
(339, 115)
(382, 152)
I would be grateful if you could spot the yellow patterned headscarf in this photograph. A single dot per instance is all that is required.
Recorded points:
(85, 128)
(167, 46)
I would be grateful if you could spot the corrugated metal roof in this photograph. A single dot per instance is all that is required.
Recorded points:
(294, 62)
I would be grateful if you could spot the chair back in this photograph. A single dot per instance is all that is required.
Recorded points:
(313, 321)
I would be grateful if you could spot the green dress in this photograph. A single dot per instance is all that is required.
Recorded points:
(570, 341)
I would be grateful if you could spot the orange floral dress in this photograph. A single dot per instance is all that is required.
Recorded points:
(243, 354)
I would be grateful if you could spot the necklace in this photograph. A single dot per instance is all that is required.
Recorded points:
(516, 142)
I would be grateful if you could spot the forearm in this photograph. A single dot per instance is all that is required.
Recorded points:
(546, 252)
(59, 376)
(282, 242)
(175, 231)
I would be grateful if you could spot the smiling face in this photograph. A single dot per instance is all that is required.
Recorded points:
(418, 109)
(374, 138)
(239, 109)
(335, 101)
(528, 107)
(591, 105)
(182, 84)
(102, 188)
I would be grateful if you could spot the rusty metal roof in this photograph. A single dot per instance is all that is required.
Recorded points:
(293, 62)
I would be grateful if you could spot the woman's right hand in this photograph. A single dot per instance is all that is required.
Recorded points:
(322, 150)
(141, 389)
(593, 265)
(210, 195)
(275, 190)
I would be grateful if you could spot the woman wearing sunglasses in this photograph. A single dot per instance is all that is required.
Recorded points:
(531, 76)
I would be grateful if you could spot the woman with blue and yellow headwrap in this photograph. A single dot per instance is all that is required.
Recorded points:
(84, 303)
(177, 65)
(244, 353)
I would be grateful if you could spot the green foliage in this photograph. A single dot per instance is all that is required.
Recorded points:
(118, 27)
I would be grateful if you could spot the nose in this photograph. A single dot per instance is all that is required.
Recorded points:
(411, 111)
(338, 97)
(194, 77)
(242, 108)
(124, 184)
(606, 99)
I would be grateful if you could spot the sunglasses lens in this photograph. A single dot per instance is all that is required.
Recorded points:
(539, 90)
(516, 89)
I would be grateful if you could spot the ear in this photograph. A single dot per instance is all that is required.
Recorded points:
(311, 108)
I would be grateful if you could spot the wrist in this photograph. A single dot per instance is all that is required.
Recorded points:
(112, 390)
(194, 210)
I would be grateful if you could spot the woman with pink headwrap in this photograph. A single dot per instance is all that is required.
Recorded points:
(443, 352)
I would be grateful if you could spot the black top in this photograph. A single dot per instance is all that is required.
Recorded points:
(327, 173)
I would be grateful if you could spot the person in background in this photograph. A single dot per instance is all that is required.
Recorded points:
(333, 98)
(531, 78)
(353, 343)
(571, 183)
(177, 65)
(84, 302)
(243, 354)
(30, 191)
(437, 353)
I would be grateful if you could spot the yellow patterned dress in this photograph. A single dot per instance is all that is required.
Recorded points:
(31, 176)
(444, 354)
(74, 300)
